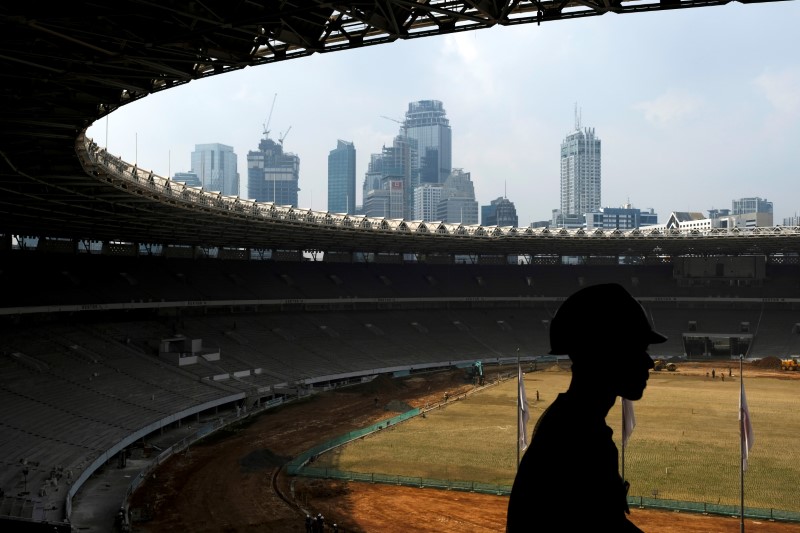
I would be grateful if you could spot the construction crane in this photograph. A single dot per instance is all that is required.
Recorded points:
(402, 123)
(283, 136)
(269, 118)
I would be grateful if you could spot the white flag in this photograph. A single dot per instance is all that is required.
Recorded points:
(524, 414)
(628, 420)
(745, 427)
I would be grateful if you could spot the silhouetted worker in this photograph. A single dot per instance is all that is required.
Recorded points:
(568, 479)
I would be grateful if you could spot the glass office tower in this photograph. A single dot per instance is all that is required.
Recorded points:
(427, 123)
(342, 178)
(215, 166)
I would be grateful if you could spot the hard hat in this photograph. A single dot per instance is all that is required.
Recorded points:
(599, 317)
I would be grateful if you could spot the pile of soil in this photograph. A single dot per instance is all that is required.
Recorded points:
(768, 363)
(321, 488)
(383, 384)
(259, 460)
(397, 406)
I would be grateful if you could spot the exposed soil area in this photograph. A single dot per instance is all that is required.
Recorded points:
(766, 367)
(389, 509)
(233, 482)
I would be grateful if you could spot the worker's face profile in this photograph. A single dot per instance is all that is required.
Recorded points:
(632, 369)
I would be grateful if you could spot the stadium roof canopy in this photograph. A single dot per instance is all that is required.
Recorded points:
(65, 65)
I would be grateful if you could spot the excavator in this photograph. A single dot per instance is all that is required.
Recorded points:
(475, 373)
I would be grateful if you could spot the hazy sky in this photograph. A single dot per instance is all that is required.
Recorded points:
(694, 108)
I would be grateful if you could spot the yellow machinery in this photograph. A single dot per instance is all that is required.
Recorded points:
(660, 365)
(790, 364)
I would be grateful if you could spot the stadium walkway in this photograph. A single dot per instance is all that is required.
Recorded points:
(95, 506)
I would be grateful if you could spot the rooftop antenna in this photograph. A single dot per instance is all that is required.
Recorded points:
(577, 117)
(269, 118)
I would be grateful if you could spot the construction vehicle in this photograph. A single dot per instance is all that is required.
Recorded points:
(660, 364)
(793, 363)
(475, 373)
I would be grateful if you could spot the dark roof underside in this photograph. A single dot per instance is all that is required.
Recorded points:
(65, 65)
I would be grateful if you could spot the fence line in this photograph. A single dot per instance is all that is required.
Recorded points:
(294, 466)
(505, 490)
(300, 466)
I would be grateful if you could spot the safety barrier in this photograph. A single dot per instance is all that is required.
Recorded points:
(300, 466)
(408, 481)
(713, 508)
(294, 466)
(504, 490)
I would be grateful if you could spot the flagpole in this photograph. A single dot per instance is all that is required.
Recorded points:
(741, 443)
(519, 376)
(622, 405)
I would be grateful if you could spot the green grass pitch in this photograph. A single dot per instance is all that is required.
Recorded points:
(685, 445)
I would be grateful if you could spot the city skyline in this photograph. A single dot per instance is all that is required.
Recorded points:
(580, 181)
(688, 123)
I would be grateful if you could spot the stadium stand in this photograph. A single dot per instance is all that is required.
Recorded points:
(83, 378)
(102, 263)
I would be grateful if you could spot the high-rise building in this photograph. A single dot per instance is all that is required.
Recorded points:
(746, 206)
(458, 204)
(373, 176)
(499, 212)
(215, 164)
(560, 220)
(426, 201)
(580, 173)
(394, 164)
(427, 123)
(342, 178)
(386, 202)
(189, 178)
(272, 174)
(399, 163)
(745, 213)
(622, 218)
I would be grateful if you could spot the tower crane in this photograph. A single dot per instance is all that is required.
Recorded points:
(283, 136)
(269, 118)
(402, 123)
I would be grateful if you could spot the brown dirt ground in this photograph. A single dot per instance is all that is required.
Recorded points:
(226, 485)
